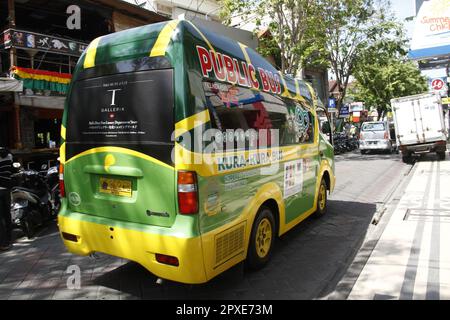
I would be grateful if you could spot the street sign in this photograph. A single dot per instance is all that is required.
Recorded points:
(331, 103)
(344, 112)
(437, 84)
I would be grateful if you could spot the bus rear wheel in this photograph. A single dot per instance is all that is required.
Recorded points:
(261, 239)
(321, 199)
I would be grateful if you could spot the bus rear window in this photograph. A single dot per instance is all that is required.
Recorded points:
(125, 109)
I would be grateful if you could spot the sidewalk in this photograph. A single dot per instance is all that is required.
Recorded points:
(411, 259)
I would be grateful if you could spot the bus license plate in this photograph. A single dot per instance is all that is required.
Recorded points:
(116, 187)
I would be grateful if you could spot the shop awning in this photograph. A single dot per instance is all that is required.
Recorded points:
(51, 102)
(10, 85)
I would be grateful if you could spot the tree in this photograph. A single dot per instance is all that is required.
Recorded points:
(293, 25)
(350, 27)
(384, 73)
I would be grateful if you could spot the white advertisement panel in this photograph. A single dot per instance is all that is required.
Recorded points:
(432, 30)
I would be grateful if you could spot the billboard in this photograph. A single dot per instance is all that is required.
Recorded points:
(431, 36)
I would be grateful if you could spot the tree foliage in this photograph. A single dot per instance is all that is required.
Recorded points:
(292, 25)
(384, 73)
(331, 33)
(351, 26)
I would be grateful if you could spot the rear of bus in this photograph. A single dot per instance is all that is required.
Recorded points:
(120, 188)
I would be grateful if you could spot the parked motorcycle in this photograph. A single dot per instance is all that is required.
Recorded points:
(34, 197)
(343, 143)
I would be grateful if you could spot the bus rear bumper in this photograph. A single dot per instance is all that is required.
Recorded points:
(83, 237)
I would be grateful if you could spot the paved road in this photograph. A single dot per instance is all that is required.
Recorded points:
(308, 262)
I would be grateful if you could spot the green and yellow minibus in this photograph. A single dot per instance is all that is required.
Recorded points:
(187, 152)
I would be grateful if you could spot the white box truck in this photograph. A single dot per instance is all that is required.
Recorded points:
(419, 125)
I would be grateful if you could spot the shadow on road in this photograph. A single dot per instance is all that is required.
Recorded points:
(307, 263)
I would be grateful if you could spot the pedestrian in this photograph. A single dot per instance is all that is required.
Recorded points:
(6, 167)
(353, 130)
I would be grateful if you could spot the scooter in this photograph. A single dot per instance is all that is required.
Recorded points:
(31, 199)
(52, 181)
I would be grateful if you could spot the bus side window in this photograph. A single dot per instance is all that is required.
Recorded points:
(253, 116)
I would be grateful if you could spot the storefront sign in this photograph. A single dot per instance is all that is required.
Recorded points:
(356, 106)
(31, 40)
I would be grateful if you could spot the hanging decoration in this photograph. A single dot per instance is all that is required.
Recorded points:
(42, 79)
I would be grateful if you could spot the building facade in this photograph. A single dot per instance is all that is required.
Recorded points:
(205, 9)
(40, 43)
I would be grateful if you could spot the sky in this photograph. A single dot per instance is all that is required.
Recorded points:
(404, 9)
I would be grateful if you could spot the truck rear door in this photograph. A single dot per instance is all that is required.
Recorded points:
(431, 119)
(405, 112)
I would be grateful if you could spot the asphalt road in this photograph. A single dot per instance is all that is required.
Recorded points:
(308, 261)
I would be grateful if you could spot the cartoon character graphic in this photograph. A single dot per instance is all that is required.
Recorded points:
(30, 41)
(18, 38)
(44, 42)
(72, 46)
(57, 44)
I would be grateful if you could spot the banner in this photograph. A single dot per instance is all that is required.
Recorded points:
(32, 40)
(42, 79)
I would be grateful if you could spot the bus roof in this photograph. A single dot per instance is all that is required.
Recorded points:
(200, 48)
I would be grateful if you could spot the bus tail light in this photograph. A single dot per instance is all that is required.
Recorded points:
(187, 192)
(70, 237)
(165, 259)
(62, 189)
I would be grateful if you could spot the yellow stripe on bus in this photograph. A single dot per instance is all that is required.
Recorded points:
(193, 121)
(63, 132)
(286, 90)
(203, 36)
(89, 59)
(123, 151)
(297, 89)
(244, 51)
(62, 153)
(161, 44)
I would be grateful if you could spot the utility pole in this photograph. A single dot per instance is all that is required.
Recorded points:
(13, 62)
